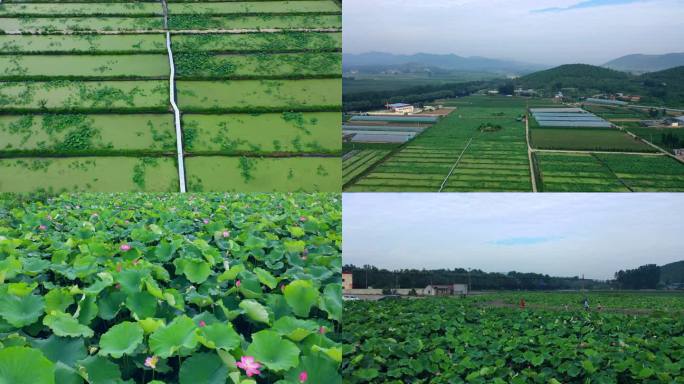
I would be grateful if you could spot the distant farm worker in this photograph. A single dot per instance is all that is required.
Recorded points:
(599, 307)
(585, 303)
(522, 303)
(565, 307)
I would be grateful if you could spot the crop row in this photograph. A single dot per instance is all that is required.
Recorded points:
(358, 161)
(587, 139)
(609, 173)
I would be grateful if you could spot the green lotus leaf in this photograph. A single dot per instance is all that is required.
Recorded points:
(294, 246)
(22, 365)
(318, 369)
(21, 311)
(334, 353)
(331, 301)
(180, 333)
(63, 324)
(296, 231)
(301, 295)
(9, 268)
(250, 287)
(110, 303)
(142, 304)
(231, 274)
(65, 374)
(294, 329)
(276, 353)
(197, 271)
(67, 350)
(203, 368)
(58, 299)
(219, 335)
(121, 339)
(255, 311)
(153, 288)
(266, 278)
(131, 281)
(21, 288)
(150, 324)
(164, 251)
(98, 369)
(87, 309)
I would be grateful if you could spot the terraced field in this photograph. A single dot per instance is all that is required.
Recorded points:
(85, 101)
(479, 147)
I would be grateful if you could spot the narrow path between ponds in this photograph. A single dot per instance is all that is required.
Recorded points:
(172, 98)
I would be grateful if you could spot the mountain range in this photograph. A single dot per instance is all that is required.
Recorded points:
(377, 62)
(646, 63)
(380, 61)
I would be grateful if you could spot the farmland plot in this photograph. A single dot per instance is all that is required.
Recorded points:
(460, 153)
(87, 82)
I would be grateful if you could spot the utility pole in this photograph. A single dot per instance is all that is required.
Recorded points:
(366, 276)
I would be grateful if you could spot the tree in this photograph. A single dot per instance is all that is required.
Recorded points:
(507, 89)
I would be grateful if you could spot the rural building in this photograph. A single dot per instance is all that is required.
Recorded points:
(674, 121)
(400, 108)
(679, 152)
(347, 281)
(592, 100)
(446, 290)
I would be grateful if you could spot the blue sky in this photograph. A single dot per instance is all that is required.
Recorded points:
(546, 32)
(558, 234)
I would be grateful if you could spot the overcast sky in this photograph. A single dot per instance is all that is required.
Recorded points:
(557, 234)
(545, 32)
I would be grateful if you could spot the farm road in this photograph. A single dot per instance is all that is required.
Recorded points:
(529, 154)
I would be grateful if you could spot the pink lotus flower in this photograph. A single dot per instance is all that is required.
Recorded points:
(205, 221)
(303, 376)
(151, 362)
(237, 283)
(125, 247)
(302, 218)
(250, 366)
(202, 324)
(118, 285)
(321, 330)
(226, 234)
(42, 227)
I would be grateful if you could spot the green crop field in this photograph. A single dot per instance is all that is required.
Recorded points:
(170, 288)
(479, 158)
(601, 172)
(634, 338)
(86, 98)
(586, 139)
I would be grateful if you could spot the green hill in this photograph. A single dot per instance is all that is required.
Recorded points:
(583, 77)
(672, 273)
(582, 80)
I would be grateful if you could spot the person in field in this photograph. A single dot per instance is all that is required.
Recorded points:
(585, 303)
(522, 303)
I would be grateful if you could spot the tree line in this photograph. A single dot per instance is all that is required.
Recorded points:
(370, 276)
(364, 101)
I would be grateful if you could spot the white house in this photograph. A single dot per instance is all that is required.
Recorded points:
(445, 290)
(400, 108)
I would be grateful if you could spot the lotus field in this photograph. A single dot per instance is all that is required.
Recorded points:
(188, 289)
(633, 338)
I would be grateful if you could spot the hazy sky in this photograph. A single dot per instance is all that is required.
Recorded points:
(545, 32)
(558, 234)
